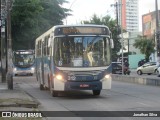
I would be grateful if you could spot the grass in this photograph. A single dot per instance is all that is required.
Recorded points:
(16, 101)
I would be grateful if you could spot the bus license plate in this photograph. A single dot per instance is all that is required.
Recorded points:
(84, 85)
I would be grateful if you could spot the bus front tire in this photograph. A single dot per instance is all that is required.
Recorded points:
(54, 93)
(96, 92)
(41, 87)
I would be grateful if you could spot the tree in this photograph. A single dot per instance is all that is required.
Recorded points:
(31, 18)
(145, 45)
(108, 21)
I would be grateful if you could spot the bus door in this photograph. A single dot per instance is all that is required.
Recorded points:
(45, 61)
(42, 66)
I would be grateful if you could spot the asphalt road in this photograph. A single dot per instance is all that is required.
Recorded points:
(122, 97)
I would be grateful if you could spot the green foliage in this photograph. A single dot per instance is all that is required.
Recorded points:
(108, 21)
(145, 45)
(31, 18)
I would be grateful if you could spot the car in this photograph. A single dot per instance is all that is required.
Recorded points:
(158, 71)
(147, 68)
(117, 68)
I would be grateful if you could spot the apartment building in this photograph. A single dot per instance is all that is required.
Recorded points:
(130, 15)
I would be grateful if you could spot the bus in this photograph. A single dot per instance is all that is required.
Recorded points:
(74, 57)
(23, 62)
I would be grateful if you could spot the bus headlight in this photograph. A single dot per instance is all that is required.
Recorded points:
(59, 77)
(107, 76)
(15, 69)
(32, 68)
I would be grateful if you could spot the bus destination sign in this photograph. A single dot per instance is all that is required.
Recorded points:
(82, 31)
(24, 52)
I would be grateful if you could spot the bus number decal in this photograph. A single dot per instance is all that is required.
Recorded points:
(60, 63)
(72, 77)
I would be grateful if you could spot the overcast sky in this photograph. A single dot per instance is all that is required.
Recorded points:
(84, 9)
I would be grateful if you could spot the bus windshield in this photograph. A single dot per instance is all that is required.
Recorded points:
(23, 60)
(82, 51)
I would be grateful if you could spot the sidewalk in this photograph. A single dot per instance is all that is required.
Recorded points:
(137, 79)
(16, 99)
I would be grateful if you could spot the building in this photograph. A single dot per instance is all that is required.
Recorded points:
(149, 29)
(128, 18)
(149, 24)
(130, 15)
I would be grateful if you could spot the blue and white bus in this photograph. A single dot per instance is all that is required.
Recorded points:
(23, 62)
(74, 58)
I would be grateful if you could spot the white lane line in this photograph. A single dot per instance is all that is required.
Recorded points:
(143, 104)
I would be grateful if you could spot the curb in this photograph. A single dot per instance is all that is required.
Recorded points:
(136, 80)
(20, 105)
(17, 98)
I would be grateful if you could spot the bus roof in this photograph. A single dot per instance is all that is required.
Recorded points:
(87, 25)
(51, 30)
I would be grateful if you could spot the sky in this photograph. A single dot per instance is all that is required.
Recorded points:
(84, 9)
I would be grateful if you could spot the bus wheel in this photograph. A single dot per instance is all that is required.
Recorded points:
(41, 87)
(96, 92)
(54, 93)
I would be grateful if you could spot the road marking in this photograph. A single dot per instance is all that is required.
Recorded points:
(143, 104)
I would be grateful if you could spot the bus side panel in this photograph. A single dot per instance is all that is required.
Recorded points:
(36, 68)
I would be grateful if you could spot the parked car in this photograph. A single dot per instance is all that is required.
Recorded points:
(117, 68)
(158, 71)
(148, 68)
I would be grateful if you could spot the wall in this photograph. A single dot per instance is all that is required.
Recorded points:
(134, 59)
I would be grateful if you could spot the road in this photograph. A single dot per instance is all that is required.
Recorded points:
(122, 97)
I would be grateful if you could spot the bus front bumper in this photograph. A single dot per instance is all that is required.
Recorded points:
(96, 85)
(80, 85)
(23, 72)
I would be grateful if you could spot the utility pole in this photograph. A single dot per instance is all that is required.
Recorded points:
(157, 32)
(3, 40)
(9, 75)
(0, 38)
(119, 30)
(116, 6)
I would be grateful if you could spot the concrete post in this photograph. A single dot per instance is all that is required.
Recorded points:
(9, 75)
